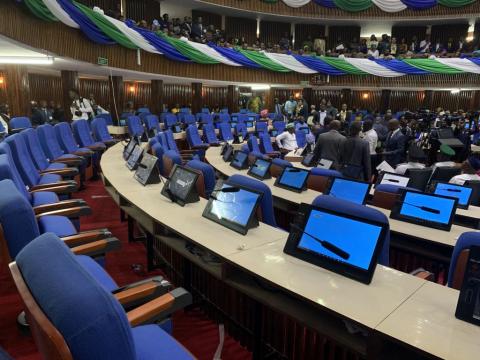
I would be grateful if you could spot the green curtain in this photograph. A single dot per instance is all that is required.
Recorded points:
(38, 8)
(263, 61)
(342, 65)
(106, 26)
(455, 3)
(188, 51)
(353, 5)
(432, 66)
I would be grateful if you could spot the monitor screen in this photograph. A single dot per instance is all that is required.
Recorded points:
(134, 158)
(146, 172)
(462, 193)
(293, 178)
(251, 118)
(424, 209)
(394, 179)
(239, 160)
(232, 206)
(227, 153)
(274, 133)
(351, 190)
(129, 148)
(260, 168)
(181, 182)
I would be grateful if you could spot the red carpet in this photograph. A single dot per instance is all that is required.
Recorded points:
(193, 329)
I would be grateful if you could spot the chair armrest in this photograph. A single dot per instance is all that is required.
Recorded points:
(95, 147)
(70, 185)
(86, 237)
(200, 147)
(138, 293)
(160, 308)
(74, 162)
(97, 248)
(423, 274)
(83, 153)
(59, 206)
(69, 172)
(70, 212)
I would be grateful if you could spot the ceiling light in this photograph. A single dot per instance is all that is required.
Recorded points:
(28, 60)
(454, 91)
(260, 87)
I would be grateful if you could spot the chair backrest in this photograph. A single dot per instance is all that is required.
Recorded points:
(82, 132)
(188, 119)
(72, 315)
(205, 110)
(266, 204)
(242, 117)
(318, 178)
(253, 144)
(151, 122)
(279, 126)
(8, 170)
(171, 143)
(162, 139)
(65, 137)
(23, 160)
(48, 140)
(224, 117)
(241, 129)
(170, 158)
(158, 151)
(205, 118)
(135, 127)
(278, 165)
(100, 129)
(458, 261)
(209, 133)
(170, 120)
(208, 175)
(193, 137)
(475, 185)
(39, 157)
(266, 143)
(419, 178)
(261, 127)
(107, 117)
(301, 138)
(17, 219)
(144, 110)
(444, 173)
(225, 131)
(361, 211)
(20, 122)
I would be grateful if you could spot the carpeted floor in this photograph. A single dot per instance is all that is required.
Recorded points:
(193, 329)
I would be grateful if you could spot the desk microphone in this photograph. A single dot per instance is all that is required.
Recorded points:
(424, 208)
(393, 180)
(142, 166)
(293, 170)
(326, 244)
(454, 190)
(231, 189)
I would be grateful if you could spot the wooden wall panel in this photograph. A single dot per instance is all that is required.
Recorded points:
(444, 32)
(103, 4)
(45, 87)
(3, 88)
(273, 31)
(452, 102)
(369, 100)
(344, 33)
(208, 18)
(241, 27)
(100, 90)
(214, 96)
(143, 10)
(410, 100)
(177, 94)
(138, 92)
(302, 31)
(408, 32)
(335, 96)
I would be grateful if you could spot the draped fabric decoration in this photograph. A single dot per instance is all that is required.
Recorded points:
(296, 3)
(103, 29)
(390, 6)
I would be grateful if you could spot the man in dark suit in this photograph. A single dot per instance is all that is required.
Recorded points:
(41, 114)
(356, 155)
(394, 144)
(197, 29)
(330, 144)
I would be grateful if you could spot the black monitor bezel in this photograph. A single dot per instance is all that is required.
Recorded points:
(332, 180)
(288, 187)
(152, 171)
(338, 267)
(192, 194)
(132, 162)
(382, 174)
(241, 229)
(244, 164)
(126, 154)
(267, 173)
(460, 206)
(395, 213)
(228, 153)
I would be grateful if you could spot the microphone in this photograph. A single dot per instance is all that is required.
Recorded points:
(424, 208)
(142, 166)
(231, 189)
(393, 180)
(454, 190)
(293, 170)
(326, 244)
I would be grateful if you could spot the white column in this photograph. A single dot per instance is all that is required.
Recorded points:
(258, 28)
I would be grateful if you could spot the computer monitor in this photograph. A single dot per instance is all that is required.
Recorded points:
(240, 160)
(425, 209)
(181, 187)
(176, 128)
(233, 206)
(273, 133)
(249, 123)
(260, 169)
(462, 193)
(147, 171)
(293, 178)
(122, 122)
(135, 158)
(129, 148)
(393, 179)
(228, 153)
(347, 189)
(337, 241)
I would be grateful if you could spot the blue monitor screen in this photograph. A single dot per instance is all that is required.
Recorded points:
(239, 159)
(249, 124)
(427, 207)
(353, 191)
(293, 177)
(260, 167)
(462, 193)
(355, 237)
(235, 207)
(251, 118)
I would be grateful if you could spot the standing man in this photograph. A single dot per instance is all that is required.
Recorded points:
(4, 119)
(278, 109)
(394, 144)
(355, 157)
(330, 144)
(290, 106)
(198, 29)
(287, 140)
(80, 107)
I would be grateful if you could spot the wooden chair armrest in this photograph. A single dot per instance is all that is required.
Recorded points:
(69, 212)
(423, 274)
(74, 162)
(87, 236)
(69, 172)
(83, 153)
(59, 205)
(141, 292)
(97, 248)
(69, 184)
(200, 147)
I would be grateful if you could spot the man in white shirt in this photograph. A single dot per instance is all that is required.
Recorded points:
(373, 52)
(415, 156)
(290, 106)
(287, 140)
(469, 172)
(370, 135)
(80, 107)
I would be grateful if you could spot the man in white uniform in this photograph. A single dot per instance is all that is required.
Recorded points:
(469, 172)
(80, 107)
(287, 140)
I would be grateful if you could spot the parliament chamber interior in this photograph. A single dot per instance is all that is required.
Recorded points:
(239, 179)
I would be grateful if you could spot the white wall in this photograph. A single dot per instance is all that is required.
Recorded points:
(377, 28)
(175, 9)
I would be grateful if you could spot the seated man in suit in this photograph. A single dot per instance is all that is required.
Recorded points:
(41, 114)
(470, 167)
(394, 144)
(330, 144)
(416, 157)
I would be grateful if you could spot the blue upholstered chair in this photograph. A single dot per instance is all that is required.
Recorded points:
(222, 118)
(143, 110)
(225, 131)
(253, 144)
(158, 151)
(170, 120)
(318, 179)
(193, 138)
(162, 140)
(209, 135)
(188, 119)
(242, 117)
(67, 141)
(208, 174)
(261, 127)
(205, 110)
(266, 145)
(301, 138)
(107, 117)
(204, 118)
(241, 129)
(17, 124)
(100, 131)
(266, 204)
(170, 158)
(459, 258)
(135, 127)
(361, 211)
(386, 195)
(171, 144)
(278, 165)
(279, 126)
(83, 135)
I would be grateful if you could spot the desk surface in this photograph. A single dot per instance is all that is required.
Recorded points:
(427, 321)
